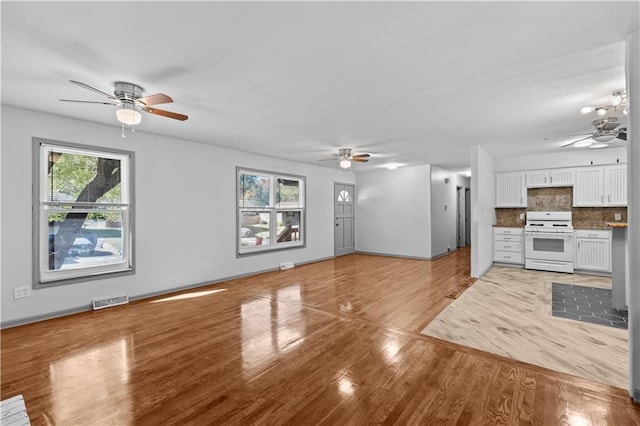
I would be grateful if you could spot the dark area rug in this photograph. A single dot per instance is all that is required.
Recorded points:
(586, 304)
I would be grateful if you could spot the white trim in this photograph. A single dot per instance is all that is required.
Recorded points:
(43, 277)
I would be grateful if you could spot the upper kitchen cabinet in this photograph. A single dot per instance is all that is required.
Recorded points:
(511, 190)
(552, 177)
(615, 185)
(603, 186)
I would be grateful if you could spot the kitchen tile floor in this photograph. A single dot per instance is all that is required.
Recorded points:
(587, 304)
(509, 312)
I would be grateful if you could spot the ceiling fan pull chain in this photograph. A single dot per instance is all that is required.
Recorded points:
(122, 135)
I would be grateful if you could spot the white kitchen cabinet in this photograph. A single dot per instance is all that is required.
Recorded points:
(601, 186)
(508, 245)
(592, 250)
(615, 185)
(551, 177)
(511, 190)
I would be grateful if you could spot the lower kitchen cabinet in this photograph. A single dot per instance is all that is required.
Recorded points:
(508, 245)
(593, 250)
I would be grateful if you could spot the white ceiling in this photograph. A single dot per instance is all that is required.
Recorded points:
(409, 82)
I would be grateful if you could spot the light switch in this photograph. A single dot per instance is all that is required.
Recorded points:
(617, 216)
(521, 216)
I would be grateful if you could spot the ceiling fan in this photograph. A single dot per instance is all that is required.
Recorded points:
(606, 132)
(618, 102)
(345, 157)
(129, 100)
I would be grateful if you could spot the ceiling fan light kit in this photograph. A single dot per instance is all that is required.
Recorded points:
(618, 101)
(128, 115)
(129, 100)
(345, 157)
(345, 163)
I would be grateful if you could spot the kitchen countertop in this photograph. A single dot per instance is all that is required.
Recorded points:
(598, 228)
(508, 226)
(617, 225)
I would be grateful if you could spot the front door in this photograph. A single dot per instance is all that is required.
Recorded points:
(344, 212)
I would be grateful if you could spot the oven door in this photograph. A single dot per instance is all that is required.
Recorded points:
(549, 246)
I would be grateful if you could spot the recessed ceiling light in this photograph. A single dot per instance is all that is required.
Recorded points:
(392, 166)
(587, 109)
(601, 111)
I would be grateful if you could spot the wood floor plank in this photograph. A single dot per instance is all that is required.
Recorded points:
(334, 342)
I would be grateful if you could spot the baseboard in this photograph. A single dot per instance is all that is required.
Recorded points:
(375, 253)
(507, 265)
(44, 317)
(89, 306)
(444, 254)
(594, 273)
(487, 269)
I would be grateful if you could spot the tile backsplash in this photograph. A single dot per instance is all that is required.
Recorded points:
(560, 199)
(557, 199)
(510, 217)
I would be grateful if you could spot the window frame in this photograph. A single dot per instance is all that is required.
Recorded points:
(42, 276)
(273, 210)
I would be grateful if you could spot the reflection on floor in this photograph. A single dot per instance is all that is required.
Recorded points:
(508, 313)
(587, 304)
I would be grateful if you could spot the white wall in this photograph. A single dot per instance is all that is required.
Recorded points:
(570, 158)
(633, 232)
(185, 213)
(393, 212)
(444, 199)
(483, 215)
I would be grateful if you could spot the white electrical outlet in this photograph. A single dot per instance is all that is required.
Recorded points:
(21, 292)
(617, 216)
(521, 216)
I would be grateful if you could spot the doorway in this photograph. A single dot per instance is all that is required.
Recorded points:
(344, 214)
(460, 217)
(467, 216)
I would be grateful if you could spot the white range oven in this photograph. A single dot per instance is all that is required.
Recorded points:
(548, 241)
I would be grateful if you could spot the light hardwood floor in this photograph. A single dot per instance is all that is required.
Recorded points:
(335, 342)
(508, 312)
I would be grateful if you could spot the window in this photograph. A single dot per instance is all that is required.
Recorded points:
(271, 211)
(83, 221)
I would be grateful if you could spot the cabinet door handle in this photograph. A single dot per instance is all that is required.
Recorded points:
(507, 238)
(507, 257)
(507, 246)
(545, 179)
(550, 179)
(578, 245)
(609, 198)
(520, 200)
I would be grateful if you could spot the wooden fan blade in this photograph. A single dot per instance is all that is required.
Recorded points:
(167, 114)
(361, 156)
(93, 89)
(574, 142)
(359, 160)
(157, 99)
(90, 102)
